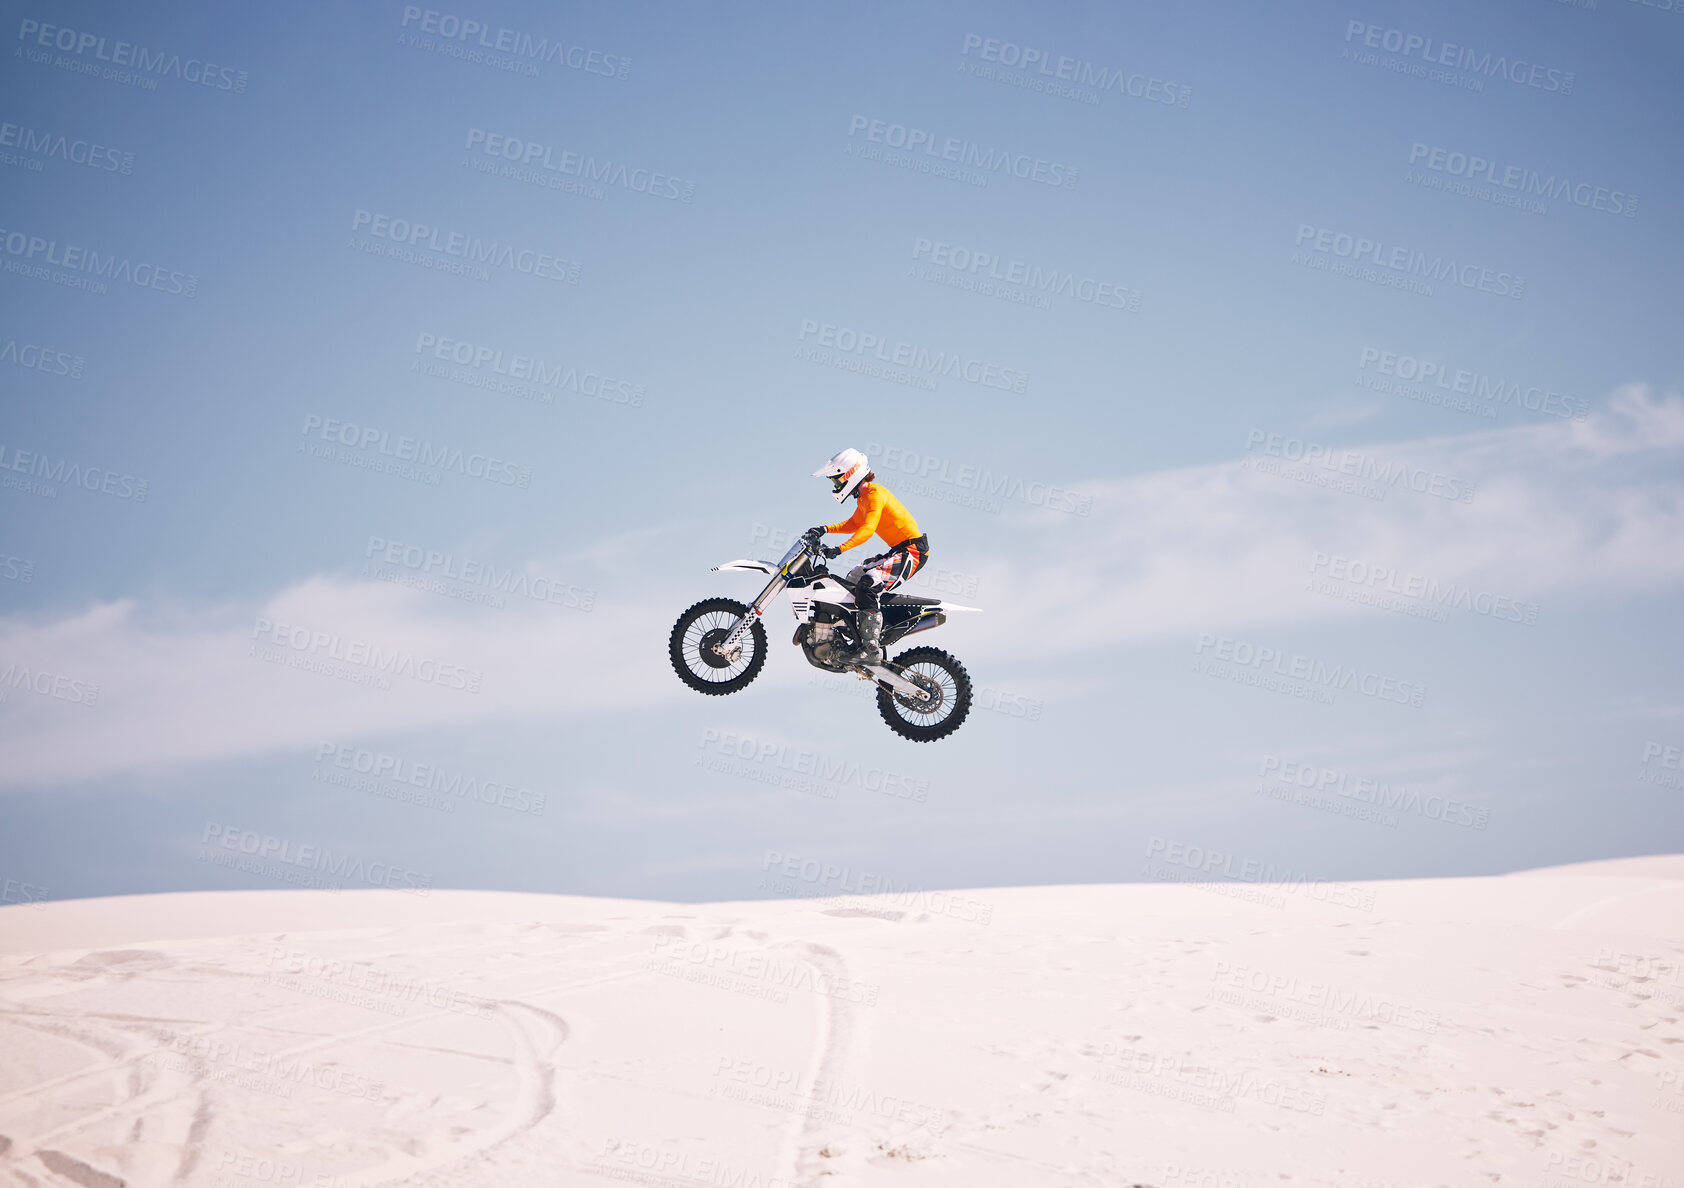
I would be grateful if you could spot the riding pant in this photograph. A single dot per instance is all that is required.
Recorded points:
(876, 576)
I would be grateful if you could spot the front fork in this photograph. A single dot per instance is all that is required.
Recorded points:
(755, 611)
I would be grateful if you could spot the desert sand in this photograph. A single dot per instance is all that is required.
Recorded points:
(1522, 1029)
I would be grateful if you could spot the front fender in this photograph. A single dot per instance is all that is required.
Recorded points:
(767, 567)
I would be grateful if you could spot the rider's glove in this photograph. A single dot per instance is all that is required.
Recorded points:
(829, 551)
(813, 533)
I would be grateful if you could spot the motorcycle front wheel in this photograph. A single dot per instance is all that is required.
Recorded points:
(694, 643)
(943, 711)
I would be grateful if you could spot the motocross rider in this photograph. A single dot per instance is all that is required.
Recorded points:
(876, 511)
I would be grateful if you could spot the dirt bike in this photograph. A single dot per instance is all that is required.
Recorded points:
(719, 645)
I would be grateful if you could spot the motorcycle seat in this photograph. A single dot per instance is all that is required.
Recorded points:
(909, 600)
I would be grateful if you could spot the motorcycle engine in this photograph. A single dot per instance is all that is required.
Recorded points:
(822, 643)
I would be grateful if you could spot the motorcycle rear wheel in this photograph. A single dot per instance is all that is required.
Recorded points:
(927, 721)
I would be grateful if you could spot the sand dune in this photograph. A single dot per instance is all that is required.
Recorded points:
(1525, 1029)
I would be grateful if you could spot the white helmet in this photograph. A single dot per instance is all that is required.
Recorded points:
(844, 472)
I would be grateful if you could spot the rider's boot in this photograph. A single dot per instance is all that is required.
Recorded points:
(870, 625)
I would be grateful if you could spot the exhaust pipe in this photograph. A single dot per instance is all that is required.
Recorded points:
(931, 620)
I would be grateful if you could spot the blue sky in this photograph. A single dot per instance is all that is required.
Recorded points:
(1214, 254)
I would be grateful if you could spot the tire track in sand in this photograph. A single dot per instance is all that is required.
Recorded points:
(817, 1149)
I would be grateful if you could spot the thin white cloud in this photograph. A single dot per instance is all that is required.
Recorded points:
(1594, 506)
(179, 685)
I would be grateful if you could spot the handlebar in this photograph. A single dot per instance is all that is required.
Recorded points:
(812, 550)
(811, 539)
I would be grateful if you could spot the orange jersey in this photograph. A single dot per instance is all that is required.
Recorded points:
(877, 511)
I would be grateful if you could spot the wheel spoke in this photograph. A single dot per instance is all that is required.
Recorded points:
(699, 629)
(947, 690)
